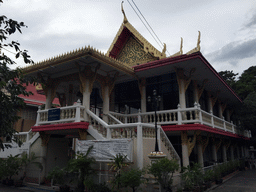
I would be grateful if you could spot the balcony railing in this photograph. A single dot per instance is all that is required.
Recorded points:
(178, 116)
(69, 114)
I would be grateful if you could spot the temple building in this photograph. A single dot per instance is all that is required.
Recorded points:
(104, 100)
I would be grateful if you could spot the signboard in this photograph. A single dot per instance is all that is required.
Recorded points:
(54, 114)
(106, 150)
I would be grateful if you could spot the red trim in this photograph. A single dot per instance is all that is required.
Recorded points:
(64, 126)
(181, 58)
(194, 127)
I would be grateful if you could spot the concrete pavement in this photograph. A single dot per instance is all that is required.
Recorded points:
(244, 181)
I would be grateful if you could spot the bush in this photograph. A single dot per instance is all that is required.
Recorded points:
(131, 178)
(163, 171)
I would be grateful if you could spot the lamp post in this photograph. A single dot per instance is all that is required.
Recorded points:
(155, 101)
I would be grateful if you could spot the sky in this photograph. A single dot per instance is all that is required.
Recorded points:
(228, 28)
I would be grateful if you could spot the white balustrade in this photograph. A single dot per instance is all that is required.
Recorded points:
(74, 113)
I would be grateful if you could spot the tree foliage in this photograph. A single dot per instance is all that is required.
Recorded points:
(11, 81)
(163, 171)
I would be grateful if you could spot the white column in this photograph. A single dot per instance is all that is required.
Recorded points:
(220, 110)
(185, 158)
(86, 98)
(209, 103)
(224, 152)
(139, 147)
(105, 103)
(48, 101)
(182, 94)
(200, 155)
(214, 153)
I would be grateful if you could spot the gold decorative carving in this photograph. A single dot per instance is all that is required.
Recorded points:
(223, 107)
(182, 77)
(107, 81)
(125, 19)
(133, 53)
(205, 142)
(75, 55)
(49, 84)
(197, 46)
(87, 75)
(44, 137)
(179, 52)
(218, 144)
(82, 134)
(187, 141)
(214, 98)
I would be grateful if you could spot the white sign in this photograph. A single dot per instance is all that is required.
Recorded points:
(105, 150)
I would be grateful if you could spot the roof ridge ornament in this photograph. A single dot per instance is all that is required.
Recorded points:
(179, 52)
(197, 46)
(125, 19)
(164, 49)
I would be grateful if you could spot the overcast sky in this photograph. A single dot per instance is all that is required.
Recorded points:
(228, 28)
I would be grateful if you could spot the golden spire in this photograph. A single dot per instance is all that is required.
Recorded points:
(198, 41)
(125, 19)
(164, 49)
(181, 46)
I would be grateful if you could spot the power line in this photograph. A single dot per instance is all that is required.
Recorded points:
(148, 25)
(143, 23)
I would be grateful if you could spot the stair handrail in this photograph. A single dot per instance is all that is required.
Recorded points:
(115, 119)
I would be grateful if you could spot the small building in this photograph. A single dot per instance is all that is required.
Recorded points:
(104, 99)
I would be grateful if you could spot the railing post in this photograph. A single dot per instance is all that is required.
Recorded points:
(78, 111)
(108, 133)
(139, 116)
(27, 139)
(233, 128)
(224, 124)
(212, 120)
(200, 113)
(179, 115)
(159, 137)
(139, 146)
(38, 116)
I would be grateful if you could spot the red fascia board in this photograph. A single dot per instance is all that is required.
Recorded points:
(33, 103)
(64, 126)
(181, 58)
(195, 127)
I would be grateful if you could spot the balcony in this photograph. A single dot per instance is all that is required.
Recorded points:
(194, 115)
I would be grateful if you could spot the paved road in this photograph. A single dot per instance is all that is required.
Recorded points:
(244, 181)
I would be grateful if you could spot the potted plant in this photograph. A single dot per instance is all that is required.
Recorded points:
(58, 177)
(163, 170)
(81, 166)
(117, 165)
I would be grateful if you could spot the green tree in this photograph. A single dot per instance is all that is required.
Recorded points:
(82, 164)
(163, 171)
(246, 83)
(131, 178)
(11, 81)
(229, 77)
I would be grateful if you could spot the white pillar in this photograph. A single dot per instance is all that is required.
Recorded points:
(139, 147)
(48, 101)
(86, 98)
(182, 94)
(185, 158)
(105, 103)
(224, 152)
(220, 110)
(200, 155)
(209, 103)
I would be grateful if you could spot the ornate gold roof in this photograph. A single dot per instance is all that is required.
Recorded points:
(147, 47)
(81, 52)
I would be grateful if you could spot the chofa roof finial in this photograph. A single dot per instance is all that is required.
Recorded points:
(125, 19)
(198, 41)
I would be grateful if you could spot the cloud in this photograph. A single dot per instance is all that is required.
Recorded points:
(251, 23)
(234, 51)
